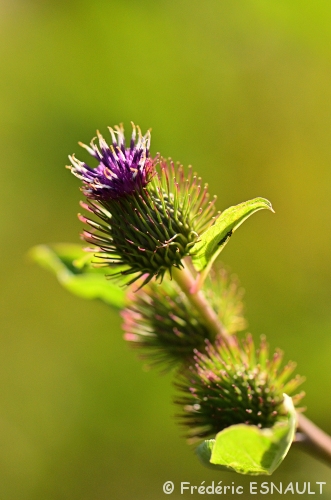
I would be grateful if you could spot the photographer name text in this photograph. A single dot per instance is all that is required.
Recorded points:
(253, 488)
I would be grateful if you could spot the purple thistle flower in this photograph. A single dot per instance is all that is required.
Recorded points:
(121, 170)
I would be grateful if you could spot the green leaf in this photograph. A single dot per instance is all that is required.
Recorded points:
(72, 267)
(246, 449)
(204, 451)
(217, 236)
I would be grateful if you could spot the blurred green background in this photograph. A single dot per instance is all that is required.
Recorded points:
(240, 89)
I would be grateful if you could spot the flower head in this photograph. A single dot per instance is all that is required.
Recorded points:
(146, 220)
(161, 322)
(234, 385)
(121, 170)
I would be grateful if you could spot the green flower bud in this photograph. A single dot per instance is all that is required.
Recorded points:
(230, 385)
(164, 325)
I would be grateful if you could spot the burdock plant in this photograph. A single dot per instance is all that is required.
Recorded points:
(154, 233)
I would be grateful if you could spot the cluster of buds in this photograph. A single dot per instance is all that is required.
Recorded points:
(145, 217)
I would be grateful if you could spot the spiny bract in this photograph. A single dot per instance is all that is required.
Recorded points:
(161, 322)
(235, 384)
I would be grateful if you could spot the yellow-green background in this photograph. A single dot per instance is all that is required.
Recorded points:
(240, 89)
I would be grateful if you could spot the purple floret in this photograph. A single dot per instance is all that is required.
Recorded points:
(121, 171)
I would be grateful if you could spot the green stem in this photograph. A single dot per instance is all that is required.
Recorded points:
(196, 297)
(313, 440)
(310, 438)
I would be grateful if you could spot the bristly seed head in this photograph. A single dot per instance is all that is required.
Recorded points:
(231, 385)
(121, 170)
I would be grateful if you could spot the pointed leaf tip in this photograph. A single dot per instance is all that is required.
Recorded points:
(213, 240)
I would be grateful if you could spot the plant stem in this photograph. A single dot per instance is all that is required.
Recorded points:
(186, 282)
(313, 440)
(310, 438)
(196, 297)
